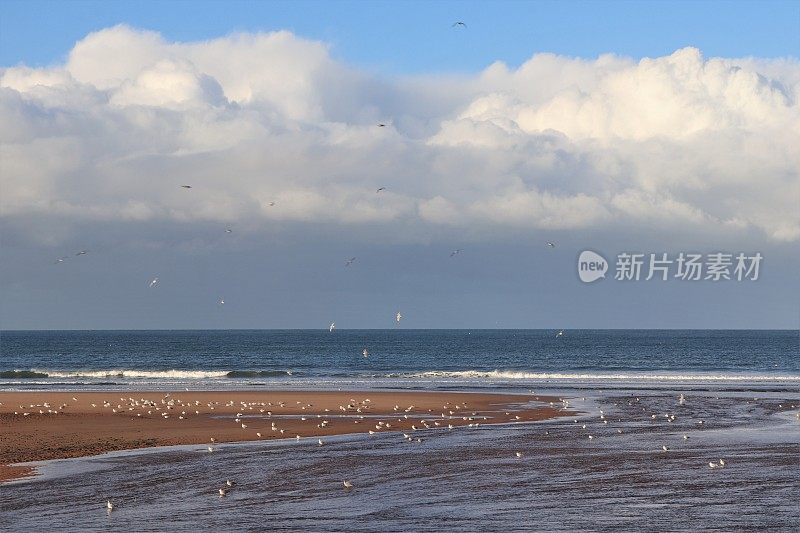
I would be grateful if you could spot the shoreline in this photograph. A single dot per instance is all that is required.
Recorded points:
(60, 425)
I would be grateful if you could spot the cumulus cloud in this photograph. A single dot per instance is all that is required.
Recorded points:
(558, 143)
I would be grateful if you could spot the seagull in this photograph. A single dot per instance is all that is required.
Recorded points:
(186, 186)
(350, 261)
(712, 465)
(332, 326)
(380, 189)
(82, 252)
(223, 492)
(221, 301)
(61, 260)
(271, 204)
(519, 454)
(152, 283)
(347, 484)
(228, 230)
(398, 317)
(459, 23)
(381, 125)
(665, 448)
(320, 442)
(229, 482)
(365, 352)
(109, 505)
(551, 244)
(456, 252)
(560, 333)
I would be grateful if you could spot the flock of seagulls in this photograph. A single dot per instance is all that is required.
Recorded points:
(348, 262)
(358, 411)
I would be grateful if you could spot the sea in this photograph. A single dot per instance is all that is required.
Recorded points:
(397, 358)
(741, 405)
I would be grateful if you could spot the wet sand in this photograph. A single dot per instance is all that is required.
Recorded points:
(54, 425)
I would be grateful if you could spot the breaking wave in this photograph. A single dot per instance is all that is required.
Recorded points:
(142, 374)
(644, 376)
(473, 375)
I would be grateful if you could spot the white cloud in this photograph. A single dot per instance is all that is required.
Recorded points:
(249, 119)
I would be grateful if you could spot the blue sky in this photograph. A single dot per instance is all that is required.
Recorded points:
(694, 150)
(413, 37)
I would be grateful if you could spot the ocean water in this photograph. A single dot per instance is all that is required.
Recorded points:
(398, 358)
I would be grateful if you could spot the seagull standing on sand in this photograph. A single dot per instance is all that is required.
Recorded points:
(347, 484)
(109, 505)
(153, 283)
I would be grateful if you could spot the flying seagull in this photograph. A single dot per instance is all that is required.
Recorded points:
(61, 260)
(152, 283)
(551, 244)
(271, 204)
(221, 301)
(380, 189)
(82, 252)
(349, 261)
(456, 252)
(186, 186)
(398, 317)
(381, 125)
(332, 326)
(459, 23)
(228, 230)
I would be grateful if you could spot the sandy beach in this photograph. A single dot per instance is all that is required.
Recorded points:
(52, 425)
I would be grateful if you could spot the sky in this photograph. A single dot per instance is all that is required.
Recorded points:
(662, 127)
